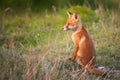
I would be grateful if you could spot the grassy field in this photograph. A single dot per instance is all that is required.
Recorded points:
(33, 46)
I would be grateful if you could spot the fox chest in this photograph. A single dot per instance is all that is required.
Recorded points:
(77, 39)
(74, 37)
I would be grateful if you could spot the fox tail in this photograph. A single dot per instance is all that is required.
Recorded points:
(92, 69)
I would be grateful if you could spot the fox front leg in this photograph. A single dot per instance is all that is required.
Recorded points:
(74, 54)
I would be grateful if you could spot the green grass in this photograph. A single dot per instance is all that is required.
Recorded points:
(33, 46)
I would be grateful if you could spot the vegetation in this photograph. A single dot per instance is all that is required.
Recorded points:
(33, 45)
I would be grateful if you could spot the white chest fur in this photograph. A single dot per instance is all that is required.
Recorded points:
(81, 39)
(73, 36)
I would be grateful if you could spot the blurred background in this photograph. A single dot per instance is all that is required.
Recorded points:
(33, 45)
(41, 5)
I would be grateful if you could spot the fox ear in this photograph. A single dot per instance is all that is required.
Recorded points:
(69, 13)
(76, 16)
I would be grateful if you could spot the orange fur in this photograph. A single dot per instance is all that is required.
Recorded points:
(84, 51)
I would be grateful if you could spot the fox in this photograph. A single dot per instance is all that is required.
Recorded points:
(84, 50)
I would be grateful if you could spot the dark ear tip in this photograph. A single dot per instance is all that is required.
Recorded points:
(76, 15)
(68, 12)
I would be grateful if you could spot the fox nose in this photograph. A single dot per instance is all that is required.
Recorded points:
(65, 28)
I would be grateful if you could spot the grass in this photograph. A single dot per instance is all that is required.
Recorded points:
(34, 46)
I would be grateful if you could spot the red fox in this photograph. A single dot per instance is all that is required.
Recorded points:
(84, 51)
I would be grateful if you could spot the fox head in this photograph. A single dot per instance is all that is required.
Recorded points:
(73, 22)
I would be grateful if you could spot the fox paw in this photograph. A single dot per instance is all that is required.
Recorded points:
(71, 59)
